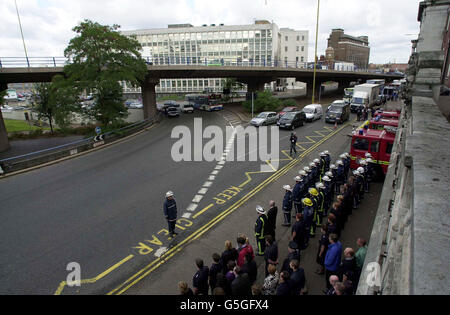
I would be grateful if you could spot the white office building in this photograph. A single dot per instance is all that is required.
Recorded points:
(259, 44)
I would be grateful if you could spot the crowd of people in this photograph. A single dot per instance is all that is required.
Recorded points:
(322, 200)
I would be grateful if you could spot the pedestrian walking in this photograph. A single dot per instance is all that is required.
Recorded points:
(293, 141)
(170, 212)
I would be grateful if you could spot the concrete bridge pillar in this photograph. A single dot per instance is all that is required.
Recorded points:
(4, 142)
(309, 90)
(255, 84)
(149, 97)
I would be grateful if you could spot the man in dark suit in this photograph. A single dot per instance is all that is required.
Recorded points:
(241, 284)
(271, 224)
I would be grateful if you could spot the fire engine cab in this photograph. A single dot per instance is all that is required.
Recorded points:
(379, 143)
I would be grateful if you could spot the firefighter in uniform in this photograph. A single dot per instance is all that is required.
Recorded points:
(340, 176)
(314, 173)
(260, 230)
(319, 171)
(297, 194)
(320, 213)
(314, 197)
(323, 165)
(362, 177)
(170, 212)
(308, 177)
(327, 192)
(327, 161)
(331, 184)
(308, 214)
(287, 205)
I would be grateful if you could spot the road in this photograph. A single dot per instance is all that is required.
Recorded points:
(103, 210)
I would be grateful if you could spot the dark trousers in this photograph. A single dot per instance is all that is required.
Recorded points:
(171, 226)
(261, 243)
(287, 217)
(298, 207)
(293, 148)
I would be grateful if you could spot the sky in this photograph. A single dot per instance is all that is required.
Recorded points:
(47, 24)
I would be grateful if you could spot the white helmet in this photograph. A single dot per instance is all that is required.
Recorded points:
(356, 173)
(323, 154)
(317, 161)
(287, 187)
(368, 155)
(303, 173)
(369, 160)
(260, 210)
(339, 163)
(326, 179)
(320, 186)
(363, 162)
(347, 155)
(329, 174)
(307, 169)
(169, 194)
(333, 167)
(298, 179)
(343, 156)
(312, 165)
(327, 152)
(360, 170)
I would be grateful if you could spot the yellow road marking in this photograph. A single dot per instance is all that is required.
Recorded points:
(98, 277)
(195, 235)
(204, 210)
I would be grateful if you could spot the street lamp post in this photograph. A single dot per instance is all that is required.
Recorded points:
(315, 52)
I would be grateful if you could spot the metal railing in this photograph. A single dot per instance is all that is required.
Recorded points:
(23, 62)
(13, 163)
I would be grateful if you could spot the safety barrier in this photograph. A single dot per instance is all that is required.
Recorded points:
(32, 159)
(29, 62)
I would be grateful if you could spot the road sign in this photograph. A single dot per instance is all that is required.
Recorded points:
(98, 130)
(99, 138)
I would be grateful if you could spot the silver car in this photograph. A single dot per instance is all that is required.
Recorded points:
(264, 119)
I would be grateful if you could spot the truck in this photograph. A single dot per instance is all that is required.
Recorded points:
(379, 143)
(365, 95)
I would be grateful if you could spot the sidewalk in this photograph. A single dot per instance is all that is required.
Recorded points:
(181, 266)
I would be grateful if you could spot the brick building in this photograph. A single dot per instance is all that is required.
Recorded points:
(349, 48)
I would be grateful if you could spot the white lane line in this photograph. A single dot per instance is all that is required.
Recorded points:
(221, 162)
(186, 216)
(219, 167)
(215, 173)
(212, 178)
(203, 191)
(192, 207)
(207, 184)
(160, 252)
(197, 198)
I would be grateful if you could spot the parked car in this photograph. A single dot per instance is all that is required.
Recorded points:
(292, 120)
(264, 119)
(173, 111)
(313, 112)
(287, 110)
(188, 108)
(337, 112)
(136, 105)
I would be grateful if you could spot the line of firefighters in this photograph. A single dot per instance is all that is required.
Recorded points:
(315, 190)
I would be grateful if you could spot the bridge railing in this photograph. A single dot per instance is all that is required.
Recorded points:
(23, 62)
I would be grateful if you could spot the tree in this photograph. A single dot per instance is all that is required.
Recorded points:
(2, 97)
(101, 57)
(55, 101)
(264, 102)
(230, 85)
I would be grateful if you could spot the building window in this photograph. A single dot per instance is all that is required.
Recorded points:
(286, 48)
(303, 59)
(303, 48)
(298, 48)
(286, 38)
(303, 38)
(298, 38)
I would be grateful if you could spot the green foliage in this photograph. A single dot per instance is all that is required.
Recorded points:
(2, 95)
(101, 57)
(265, 101)
(289, 103)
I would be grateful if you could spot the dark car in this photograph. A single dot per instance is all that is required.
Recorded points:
(292, 120)
(338, 112)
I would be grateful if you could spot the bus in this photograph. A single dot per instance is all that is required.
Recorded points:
(379, 143)
(197, 100)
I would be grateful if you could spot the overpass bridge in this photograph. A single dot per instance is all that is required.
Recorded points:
(31, 70)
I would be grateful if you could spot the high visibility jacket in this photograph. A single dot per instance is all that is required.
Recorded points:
(322, 197)
(260, 225)
(323, 166)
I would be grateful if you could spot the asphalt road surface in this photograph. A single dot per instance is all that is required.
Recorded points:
(103, 210)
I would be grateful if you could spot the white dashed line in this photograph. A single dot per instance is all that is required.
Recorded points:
(192, 207)
(197, 198)
(203, 191)
(186, 216)
(207, 184)
(215, 173)
(212, 178)
(160, 252)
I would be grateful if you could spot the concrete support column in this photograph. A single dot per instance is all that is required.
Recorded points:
(4, 142)
(149, 97)
(309, 90)
(255, 84)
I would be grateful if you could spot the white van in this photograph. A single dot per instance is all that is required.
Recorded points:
(313, 112)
